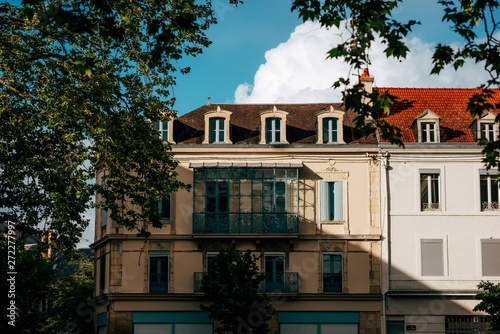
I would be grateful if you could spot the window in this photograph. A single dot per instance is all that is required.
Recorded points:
(217, 125)
(163, 129)
(429, 191)
(490, 191)
(211, 260)
(426, 127)
(332, 201)
(432, 257)
(273, 130)
(274, 265)
(102, 270)
(428, 132)
(330, 130)
(332, 273)
(165, 208)
(104, 212)
(488, 131)
(158, 272)
(462, 324)
(490, 248)
(245, 200)
(217, 130)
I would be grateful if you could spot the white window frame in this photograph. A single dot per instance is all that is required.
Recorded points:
(326, 201)
(489, 205)
(424, 121)
(219, 130)
(485, 126)
(274, 127)
(440, 201)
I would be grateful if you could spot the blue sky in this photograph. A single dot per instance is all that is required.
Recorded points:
(252, 46)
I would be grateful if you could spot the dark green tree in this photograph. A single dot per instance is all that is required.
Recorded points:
(69, 305)
(489, 302)
(78, 81)
(28, 288)
(232, 286)
(475, 21)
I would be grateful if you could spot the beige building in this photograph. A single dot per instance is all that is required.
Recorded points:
(295, 183)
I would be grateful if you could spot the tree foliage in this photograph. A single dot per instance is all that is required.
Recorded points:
(475, 21)
(232, 285)
(29, 288)
(78, 82)
(489, 302)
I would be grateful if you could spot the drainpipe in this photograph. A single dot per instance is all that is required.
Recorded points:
(386, 239)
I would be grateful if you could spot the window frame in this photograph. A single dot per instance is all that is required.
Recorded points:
(330, 206)
(159, 255)
(422, 125)
(332, 255)
(273, 130)
(444, 244)
(223, 116)
(164, 129)
(424, 206)
(482, 242)
(161, 206)
(217, 130)
(489, 204)
(330, 113)
(273, 114)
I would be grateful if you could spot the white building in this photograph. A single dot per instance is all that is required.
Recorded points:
(442, 220)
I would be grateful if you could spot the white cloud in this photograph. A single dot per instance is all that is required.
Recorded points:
(298, 71)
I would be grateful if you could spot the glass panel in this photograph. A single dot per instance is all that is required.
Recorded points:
(424, 191)
(332, 273)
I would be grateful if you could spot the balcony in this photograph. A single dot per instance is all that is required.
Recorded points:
(158, 282)
(245, 223)
(274, 282)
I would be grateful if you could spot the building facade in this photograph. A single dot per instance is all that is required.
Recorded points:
(441, 213)
(295, 184)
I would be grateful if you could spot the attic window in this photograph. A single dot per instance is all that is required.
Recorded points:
(426, 127)
(273, 127)
(330, 126)
(217, 127)
(486, 127)
(164, 130)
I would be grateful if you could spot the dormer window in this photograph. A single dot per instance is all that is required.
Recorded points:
(426, 127)
(486, 127)
(330, 126)
(217, 127)
(163, 129)
(273, 127)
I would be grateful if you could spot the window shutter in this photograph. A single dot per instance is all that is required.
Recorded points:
(338, 196)
(490, 250)
(432, 257)
(323, 187)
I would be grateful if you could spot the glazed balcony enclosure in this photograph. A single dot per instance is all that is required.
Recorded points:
(245, 201)
(274, 282)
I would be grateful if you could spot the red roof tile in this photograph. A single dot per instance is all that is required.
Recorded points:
(450, 104)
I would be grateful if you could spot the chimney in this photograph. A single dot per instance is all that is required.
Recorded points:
(366, 80)
(208, 101)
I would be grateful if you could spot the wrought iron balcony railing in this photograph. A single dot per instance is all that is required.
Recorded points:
(245, 223)
(274, 282)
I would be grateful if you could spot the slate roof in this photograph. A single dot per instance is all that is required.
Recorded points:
(448, 103)
(301, 123)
